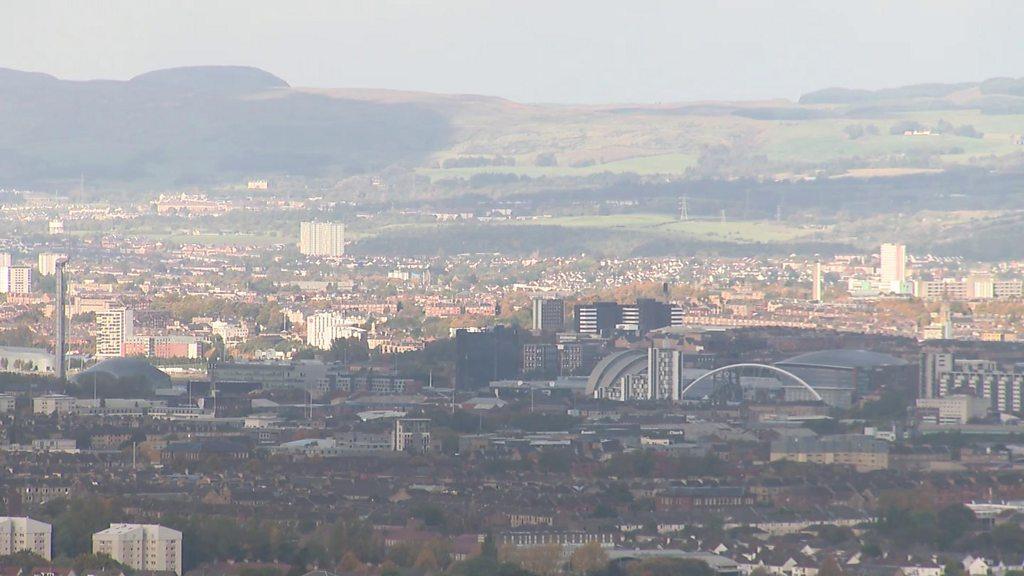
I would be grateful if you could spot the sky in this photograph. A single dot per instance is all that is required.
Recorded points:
(562, 51)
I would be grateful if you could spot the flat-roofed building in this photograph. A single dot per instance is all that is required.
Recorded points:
(15, 280)
(53, 404)
(863, 453)
(322, 239)
(19, 534)
(148, 547)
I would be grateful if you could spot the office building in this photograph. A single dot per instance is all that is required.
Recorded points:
(953, 409)
(540, 360)
(486, 356)
(49, 404)
(46, 263)
(148, 547)
(579, 353)
(324, 328)
(548, 314)
(893, 269)
(322, 239)
(598, 318)
(20, 534)
(412, 435)
(113, 329)
(608, 319)
(15, 280)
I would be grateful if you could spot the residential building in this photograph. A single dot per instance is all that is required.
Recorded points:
(942, 374)
(412, 435)
(47, 263)
(148, 547)
(816, 287)
(230, 333)
(15, 280)
(113, 328)
(322, 239)
(21, 534)
(893, 269)
(665, 373)
(324, 328)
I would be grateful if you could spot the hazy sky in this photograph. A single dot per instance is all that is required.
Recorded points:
(530, 50)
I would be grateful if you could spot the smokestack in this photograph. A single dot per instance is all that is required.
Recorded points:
(60, 347)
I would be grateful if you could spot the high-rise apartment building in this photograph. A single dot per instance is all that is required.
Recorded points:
(15, 280)
(548, 314)
(149, 547)
(113, 328)
(6, 260)
(47, 263)
(816, 288)
(25, 534)
(322, 239)
(324, 328)
(893, 269)
(665, 373)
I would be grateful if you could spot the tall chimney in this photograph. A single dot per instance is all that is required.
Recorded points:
(60, 347)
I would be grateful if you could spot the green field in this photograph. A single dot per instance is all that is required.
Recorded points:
(740, 231)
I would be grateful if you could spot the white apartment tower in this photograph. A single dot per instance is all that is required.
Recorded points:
(5, 260)
(664, 373)
(20, 533)
(816, 289)
(322, 239)
(149, 547)
(893, 270)
(324, 328)
(113, 328)
(47, 263)
(15, 280)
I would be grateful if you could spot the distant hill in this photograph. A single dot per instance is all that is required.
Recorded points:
(198, 125)
(215, 124)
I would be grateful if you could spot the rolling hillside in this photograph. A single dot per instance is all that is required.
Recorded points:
(209, 125)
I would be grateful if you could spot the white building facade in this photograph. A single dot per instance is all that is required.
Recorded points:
(141, 546)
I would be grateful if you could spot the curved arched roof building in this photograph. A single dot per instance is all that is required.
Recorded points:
(123, 372)
(615, 366)
(840, 376)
